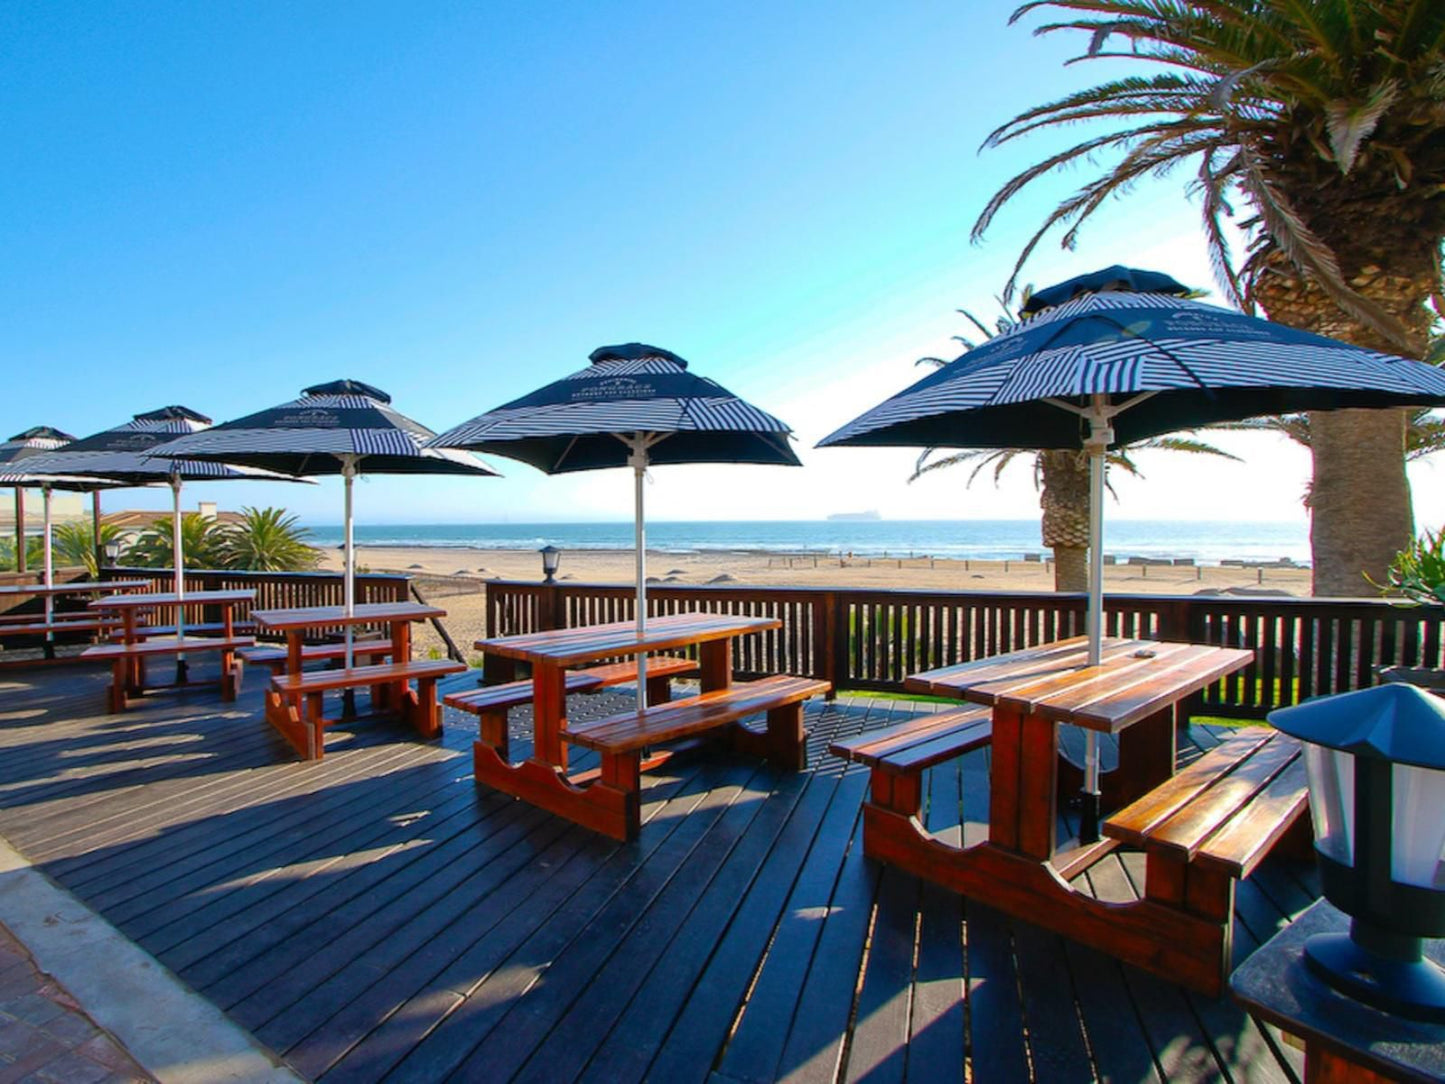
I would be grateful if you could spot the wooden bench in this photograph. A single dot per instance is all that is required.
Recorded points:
(274, 657)
(305, 730)
(1209, 826)
(124, 657)
(492, 702)
(897, 755)
(621, 739)
(42, 628)
(199, 628)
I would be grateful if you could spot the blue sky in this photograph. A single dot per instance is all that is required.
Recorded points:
(218, 204)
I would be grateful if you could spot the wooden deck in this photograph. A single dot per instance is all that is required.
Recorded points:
(376, 916)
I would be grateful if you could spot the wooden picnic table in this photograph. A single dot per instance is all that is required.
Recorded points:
(390, 684)
(136, 642)
(1020, 868)
(543, 779)
(85, 587)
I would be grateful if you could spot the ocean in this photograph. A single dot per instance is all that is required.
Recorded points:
(1205, 542)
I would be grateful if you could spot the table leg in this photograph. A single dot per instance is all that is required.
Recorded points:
(549, 714)
(228, 620)
(715, 662)
(293, 651)
(1023, 802)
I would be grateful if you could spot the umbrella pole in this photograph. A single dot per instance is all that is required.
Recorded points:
(1097, 444)
(638, 462)
(178, 558)
(348, 587)
(49, 570)
(19, 528)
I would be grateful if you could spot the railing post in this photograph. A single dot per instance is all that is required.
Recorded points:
(825, 627)
(549, 607)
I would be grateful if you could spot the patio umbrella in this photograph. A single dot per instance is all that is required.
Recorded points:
(1100, 368)
(344, 427)
(32, 442)
(634, 406)
(120, 457)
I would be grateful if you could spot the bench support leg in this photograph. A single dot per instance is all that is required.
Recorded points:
(494, 730)
(421, 708)
(787, 740)
(659, 690)
(621, 772)
(115, 695)
(900, 793)
(315, 728)
(611, 808)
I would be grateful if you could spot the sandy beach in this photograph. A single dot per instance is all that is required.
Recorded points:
(455, 578)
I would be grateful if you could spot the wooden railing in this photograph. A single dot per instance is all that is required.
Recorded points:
(274, 590)
(872, 639)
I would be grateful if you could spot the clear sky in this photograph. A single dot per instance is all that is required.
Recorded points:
(218, 204)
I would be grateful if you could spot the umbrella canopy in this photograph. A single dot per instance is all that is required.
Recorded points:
(1115, 367)
(635, 405)
(343, 427)
(27, 445)
(121, 456)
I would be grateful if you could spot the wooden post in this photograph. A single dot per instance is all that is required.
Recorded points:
(19, 529)
(95, 531)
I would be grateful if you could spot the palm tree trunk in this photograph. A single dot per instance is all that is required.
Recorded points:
(1360, 513)
(1064, 497)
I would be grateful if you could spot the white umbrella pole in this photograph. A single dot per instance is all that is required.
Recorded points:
(348, 472)
(1097, 444)
(49, 566)
(638, 462)
(178, 558)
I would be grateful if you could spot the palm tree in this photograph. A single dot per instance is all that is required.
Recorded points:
(267, 540)
(200, 543)
(1327, 119)
(1060, 475)
(74, 543)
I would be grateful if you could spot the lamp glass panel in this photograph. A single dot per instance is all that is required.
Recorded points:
(1332, 801)
(1418, 832)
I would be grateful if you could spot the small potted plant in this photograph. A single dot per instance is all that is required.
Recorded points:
(1418, 575)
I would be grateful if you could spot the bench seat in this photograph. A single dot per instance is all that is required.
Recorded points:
(1210, 825)
(126, 659)
(198, 628)
(898, 755)
(274, 657)
(41, 628)
(305, 727)
(490, 703)
(610, 802)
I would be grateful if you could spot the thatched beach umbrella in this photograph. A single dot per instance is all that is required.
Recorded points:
(344, 427)
(634, 406)
(1100, 364)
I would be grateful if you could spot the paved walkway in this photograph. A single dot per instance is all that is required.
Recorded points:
(44, 1033)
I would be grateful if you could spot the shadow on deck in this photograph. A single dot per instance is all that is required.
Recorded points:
(378, 916)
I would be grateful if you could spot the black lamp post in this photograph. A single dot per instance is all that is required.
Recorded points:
(551, 558)
(112, 552)
(1376, 765)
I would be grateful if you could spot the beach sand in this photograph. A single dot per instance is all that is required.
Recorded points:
(455, 579)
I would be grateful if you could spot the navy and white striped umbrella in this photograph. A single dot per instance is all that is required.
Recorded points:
(574, 424)
(1100, 368)
(26, 445)
(343, 427)
(121, 456)
(636, 405)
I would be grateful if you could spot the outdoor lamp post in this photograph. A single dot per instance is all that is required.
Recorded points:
(1376, 765)
(112, 552)
(551, 558)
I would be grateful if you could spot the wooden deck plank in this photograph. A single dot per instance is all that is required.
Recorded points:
(575, 937)
(379, 914)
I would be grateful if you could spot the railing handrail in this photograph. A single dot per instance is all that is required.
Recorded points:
(872, 638)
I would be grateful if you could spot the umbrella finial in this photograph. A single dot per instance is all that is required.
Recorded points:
(43, 432)
(1116, 279)
(348, 387)
(633, 352)
(171, 413)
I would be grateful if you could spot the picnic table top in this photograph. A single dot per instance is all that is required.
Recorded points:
(366, 613)
(169, 598)
(79, 588)
(566, 647)
(1134, 679)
